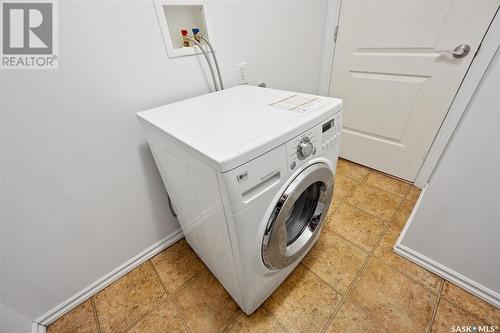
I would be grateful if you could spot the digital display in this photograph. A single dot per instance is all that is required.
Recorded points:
(328, 125)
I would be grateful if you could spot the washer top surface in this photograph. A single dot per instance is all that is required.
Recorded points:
(230, 127)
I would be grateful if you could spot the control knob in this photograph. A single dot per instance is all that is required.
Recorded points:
(305, 148)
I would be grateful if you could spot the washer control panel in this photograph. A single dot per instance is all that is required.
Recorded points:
(330, 132)
(316, 140)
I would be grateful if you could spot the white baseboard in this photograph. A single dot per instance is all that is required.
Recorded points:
(40, 323)
(446, 273)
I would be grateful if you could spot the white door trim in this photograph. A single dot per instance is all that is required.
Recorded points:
(38, 328)
(58, 311)
(477, 69)
(332, 20)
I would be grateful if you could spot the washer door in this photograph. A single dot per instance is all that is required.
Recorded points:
(298, 216)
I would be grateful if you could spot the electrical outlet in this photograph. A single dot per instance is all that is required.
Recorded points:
(242, 73)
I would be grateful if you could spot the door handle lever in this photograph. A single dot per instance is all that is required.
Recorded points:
(460, 51)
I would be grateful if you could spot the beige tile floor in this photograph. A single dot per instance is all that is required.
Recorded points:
(351, 281)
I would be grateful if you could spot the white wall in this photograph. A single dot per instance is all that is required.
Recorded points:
(80, 191)
(458, 221)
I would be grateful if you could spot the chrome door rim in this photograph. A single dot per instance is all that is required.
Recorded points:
(276, 254)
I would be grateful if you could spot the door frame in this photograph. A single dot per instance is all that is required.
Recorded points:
(329, 43)
(472, 78)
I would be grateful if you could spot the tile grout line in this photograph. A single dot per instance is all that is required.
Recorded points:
(386, 227)
(344, 198)
(360, 271)
(96, 318)
(408, 276)
(462, 308)
(145, 315)
(344, 296)
(309, 269)
(188, 281)
(371, 214)
(231, 320)
(334, 313)
(382, 173)
(280, 324)
(169, 296)
(348, 240)
(363, 182)
(434, 292)
(351, 287)
(372, 255)
(357, 245)
(329, 214)
(436, 305)
(365, 263)
(387, 223)
(205, 268)
(149, 311)
(368, 313)
(391, 224)
(352, 242)
(401, 195)
(328, 285)
(362, 166)
(341, 200)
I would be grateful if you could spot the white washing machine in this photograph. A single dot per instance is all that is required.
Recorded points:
(250, 172)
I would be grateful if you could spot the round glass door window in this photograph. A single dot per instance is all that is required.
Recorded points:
(297, 216)
(302, 211)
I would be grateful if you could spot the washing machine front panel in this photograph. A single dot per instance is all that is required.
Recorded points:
(298, 216)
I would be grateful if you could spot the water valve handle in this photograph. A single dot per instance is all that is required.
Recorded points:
(185, 38)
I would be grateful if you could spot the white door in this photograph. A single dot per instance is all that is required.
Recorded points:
(396, 87)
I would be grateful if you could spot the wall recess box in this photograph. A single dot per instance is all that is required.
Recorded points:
(174, 16)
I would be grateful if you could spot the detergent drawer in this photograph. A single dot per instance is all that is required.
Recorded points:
(248, 182)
